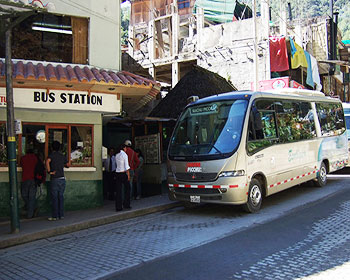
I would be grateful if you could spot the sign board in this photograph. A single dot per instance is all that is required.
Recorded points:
(150, 147)
(294, 84)
(18, 126)
(62, 100)
(272, 84)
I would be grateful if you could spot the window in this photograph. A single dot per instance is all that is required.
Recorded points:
(183, 4)
(3, 145)
(75, 140)
(295, 121)
(3, 142)
(331, 118)
(272, 122)
(50, 37)
(262, 126)
(81, 145)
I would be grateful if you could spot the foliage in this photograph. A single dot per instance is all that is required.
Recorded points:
(125, 18)
(315, 8)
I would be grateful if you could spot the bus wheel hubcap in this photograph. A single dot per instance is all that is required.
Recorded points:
(255, 195)
(323, 174)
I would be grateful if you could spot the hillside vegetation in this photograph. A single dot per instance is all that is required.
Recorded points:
(315, 8)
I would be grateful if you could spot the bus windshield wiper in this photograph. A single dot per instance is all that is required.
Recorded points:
(213, 146)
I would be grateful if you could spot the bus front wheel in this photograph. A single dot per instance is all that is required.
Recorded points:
(255, 196)
(321, 179)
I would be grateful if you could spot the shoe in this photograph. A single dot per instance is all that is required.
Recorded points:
(52, 219)
(117, 210)
(36, 212)
(138, 197)
(61, 218)
(127, 208)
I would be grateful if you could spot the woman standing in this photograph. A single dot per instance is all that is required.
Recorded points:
(139, 173)
(122, 179)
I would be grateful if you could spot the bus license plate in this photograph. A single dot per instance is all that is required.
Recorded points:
(195, 198)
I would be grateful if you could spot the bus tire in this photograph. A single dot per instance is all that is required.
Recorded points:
(255, 195)
(321, 178)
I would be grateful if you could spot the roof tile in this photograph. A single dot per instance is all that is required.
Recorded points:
(50, 72)
(23, 69)
(30, 71)
(97, 74)
(71, 74)
(19, 70)
(89, 74)
(123, 78)
(61, 73)
(80, 74)
(40, 72)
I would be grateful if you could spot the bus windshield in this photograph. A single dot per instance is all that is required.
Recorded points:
(210, 129)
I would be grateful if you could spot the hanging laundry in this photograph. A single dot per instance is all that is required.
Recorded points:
(309, 80)
(315, 73)
(278, 54)
(292, 46)
(298, 58)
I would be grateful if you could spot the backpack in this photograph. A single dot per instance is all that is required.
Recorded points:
(39, 173)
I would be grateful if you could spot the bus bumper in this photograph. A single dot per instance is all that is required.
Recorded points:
(223, 191)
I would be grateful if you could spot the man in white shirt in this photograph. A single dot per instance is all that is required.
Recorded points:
(122, 179)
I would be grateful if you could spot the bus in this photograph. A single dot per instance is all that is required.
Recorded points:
(346, 107)
(240, 147)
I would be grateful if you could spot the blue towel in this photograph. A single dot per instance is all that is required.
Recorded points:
(293, 49)
(309, 79)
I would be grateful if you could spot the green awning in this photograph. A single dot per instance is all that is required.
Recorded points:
(223, 10)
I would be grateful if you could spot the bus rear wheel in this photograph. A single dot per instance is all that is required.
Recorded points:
(255, 195)
(321, 178)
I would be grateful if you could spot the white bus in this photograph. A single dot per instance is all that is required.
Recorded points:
(239, 147)
(346, 107)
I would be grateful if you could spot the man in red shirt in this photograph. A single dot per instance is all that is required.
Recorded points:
(28, 186)
(133, 163)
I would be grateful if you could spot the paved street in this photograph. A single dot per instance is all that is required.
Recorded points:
(110, 249)
(309, 243)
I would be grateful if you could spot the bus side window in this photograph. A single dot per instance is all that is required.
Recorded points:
(331, 118)
(261, 127)
(255, 125)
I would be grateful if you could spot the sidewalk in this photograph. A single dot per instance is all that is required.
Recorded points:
(40, 227)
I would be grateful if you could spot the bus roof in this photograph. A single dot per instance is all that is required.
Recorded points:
(303, 94)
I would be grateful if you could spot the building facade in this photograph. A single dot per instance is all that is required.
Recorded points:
(67, 82)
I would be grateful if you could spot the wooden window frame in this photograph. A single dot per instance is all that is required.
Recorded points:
(55, 126)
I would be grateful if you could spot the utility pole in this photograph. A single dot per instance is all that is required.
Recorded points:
(11, 139)
(12, 14)
(256, 62)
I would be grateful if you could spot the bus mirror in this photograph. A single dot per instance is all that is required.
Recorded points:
(192, 99)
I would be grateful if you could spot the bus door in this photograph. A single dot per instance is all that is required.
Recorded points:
(262, 138)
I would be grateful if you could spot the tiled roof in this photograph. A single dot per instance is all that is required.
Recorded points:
(72, 73)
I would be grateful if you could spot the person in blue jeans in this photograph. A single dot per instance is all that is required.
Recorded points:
(55, 163)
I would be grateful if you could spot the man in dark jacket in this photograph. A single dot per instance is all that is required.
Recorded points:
(28, 187)
(54, 166)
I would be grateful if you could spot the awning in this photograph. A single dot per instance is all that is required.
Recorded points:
(135, 91)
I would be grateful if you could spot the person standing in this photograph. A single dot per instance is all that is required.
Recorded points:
(54, 166)
(139, 173)
(122, 179)
(28, 186)
(133, 163)
(109, 169)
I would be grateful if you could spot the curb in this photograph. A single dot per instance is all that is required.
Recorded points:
(84, 225)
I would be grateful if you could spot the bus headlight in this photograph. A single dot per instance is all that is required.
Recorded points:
(234, 173)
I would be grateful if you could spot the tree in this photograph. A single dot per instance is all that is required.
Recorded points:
(125, 18)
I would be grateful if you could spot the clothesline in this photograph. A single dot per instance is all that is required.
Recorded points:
(299, 58)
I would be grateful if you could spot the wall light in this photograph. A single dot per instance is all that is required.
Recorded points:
(55, 30)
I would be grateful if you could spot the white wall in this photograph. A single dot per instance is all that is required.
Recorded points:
(228, 50)
(104, 28)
